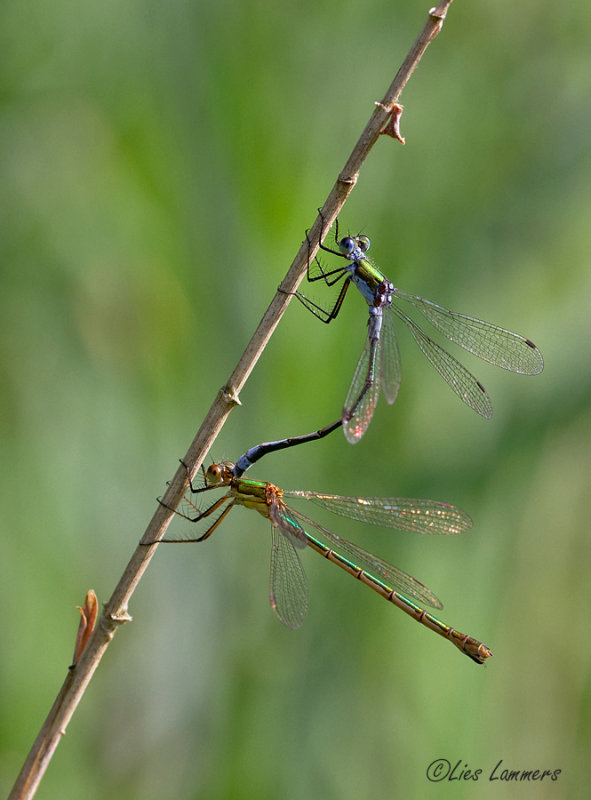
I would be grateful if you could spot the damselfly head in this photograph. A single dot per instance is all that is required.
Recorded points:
(219, 474)
(354, 247)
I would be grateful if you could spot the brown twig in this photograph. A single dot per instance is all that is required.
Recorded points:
(115, 611)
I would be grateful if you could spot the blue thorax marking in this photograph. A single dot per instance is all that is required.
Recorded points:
(243, 463)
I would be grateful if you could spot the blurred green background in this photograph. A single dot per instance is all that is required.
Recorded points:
(160, 164)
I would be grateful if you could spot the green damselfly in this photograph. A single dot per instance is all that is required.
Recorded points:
(292, 531)
(379, 364)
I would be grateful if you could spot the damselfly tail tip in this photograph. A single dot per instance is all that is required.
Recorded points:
(479, 655)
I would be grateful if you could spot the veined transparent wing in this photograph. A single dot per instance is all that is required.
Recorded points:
(464, 384)
(391, 577)
(390, 369)
(357, 424)
(490, 342)
(288, 587)
(406, 514)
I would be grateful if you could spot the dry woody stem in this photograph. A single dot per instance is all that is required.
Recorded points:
(384, 119)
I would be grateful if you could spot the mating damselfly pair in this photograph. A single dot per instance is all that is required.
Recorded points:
(378, 367)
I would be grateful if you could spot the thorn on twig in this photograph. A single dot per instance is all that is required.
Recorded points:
(121, 617)
(229, 396)
(438, 17)
(392, 126)
(435, 13)
(88, 614)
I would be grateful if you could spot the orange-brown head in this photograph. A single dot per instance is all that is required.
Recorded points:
(219, 474)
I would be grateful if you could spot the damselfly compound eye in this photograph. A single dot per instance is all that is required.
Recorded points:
(347, 245)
